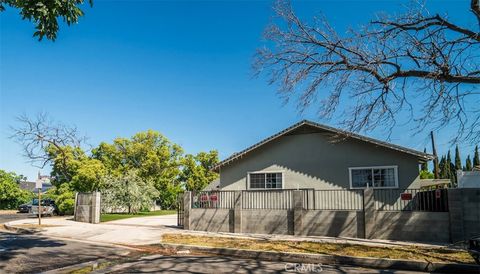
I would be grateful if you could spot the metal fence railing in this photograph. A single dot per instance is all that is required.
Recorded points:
(411, 200)
(213, 199)
(341, 199)
(267, 199)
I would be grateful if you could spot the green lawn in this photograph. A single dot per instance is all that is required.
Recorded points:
(107, 217)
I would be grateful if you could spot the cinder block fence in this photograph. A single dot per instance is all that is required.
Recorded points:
(409, 215)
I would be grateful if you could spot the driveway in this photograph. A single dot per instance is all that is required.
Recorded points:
(132, 231)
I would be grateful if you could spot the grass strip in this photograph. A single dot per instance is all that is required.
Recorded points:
(417, 253)
(107, 217)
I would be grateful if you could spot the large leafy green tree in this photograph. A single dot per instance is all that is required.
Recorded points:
(46, 13)
(11, 195)
(151, 155)
(197, 170)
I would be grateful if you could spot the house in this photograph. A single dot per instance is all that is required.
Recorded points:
(469, 179)
(312, 155)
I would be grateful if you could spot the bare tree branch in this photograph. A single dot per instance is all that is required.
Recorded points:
(36, 135)
(382, 67)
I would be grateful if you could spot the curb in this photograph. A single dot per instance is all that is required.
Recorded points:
(332, 259)
(20, 230)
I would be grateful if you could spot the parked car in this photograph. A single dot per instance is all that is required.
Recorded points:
(25, 208)
(48, 207)
(474, 248)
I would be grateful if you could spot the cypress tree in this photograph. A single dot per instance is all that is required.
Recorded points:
(448, 165)
(425, 164)
(458, 161)
(468, 164)
(441, 167)
(476, 158)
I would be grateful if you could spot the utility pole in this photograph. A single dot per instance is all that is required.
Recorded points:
(435, 160)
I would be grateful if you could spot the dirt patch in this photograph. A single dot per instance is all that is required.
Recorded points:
(403, 253)
(8, 212)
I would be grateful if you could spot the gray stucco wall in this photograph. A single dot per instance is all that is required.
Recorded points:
(267, 221)
(313, 161)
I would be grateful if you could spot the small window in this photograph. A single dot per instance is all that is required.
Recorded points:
(267, 180)
(376, 177)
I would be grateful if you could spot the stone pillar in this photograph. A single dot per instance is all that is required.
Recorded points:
(95, 208)
(187, 207)
(455, 211)
(369, 212)
(298, 212)
(237, 213)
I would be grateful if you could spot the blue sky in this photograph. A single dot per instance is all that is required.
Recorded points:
(180, 67)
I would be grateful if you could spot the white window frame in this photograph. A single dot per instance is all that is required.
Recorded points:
(265, 171)
(395, 171)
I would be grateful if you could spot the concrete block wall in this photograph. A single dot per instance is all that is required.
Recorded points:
(87, 207)
(412, 226)
(460, 223)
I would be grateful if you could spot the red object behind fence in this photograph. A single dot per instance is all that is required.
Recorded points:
(406, 196)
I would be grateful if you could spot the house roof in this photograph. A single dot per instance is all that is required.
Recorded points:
(422, 157)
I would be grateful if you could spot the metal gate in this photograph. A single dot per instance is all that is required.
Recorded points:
(180, 210)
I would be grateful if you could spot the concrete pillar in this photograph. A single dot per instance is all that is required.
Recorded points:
(95, 208)
(237, 213)
(298, 212)
(455, 211)
(369, 212)
(187, 207)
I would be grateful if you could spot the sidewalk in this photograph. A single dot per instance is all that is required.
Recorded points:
(149, 230)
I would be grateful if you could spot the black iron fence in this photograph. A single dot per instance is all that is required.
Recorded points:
(213, 199)
(411, 200)
(335, 199)
(267, 199)
(180, 210)
(329, 199)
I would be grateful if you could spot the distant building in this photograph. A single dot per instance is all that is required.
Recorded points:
(469, 179)
(30, 186)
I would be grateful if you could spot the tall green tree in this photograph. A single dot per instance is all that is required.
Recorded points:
(45, 14)
(458, 160)
(468, 164)
(442, 167)
(425, 164)
(197, 170)
(11, 195)
(151, 155)
(476, 157)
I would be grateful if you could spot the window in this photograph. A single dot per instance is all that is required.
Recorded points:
(376, 177)
(265, 180)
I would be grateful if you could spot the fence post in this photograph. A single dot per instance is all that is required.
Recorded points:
(455, 211)
(95, 209)
(237, 213)
(298, 212)
(369, 212)
(187, 207)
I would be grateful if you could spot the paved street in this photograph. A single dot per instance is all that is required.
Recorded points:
(8, 217)
(219, 264)
(33, 254)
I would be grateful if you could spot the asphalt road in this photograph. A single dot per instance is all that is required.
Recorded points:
(5, 218)
(219, 264)
(32, 254)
